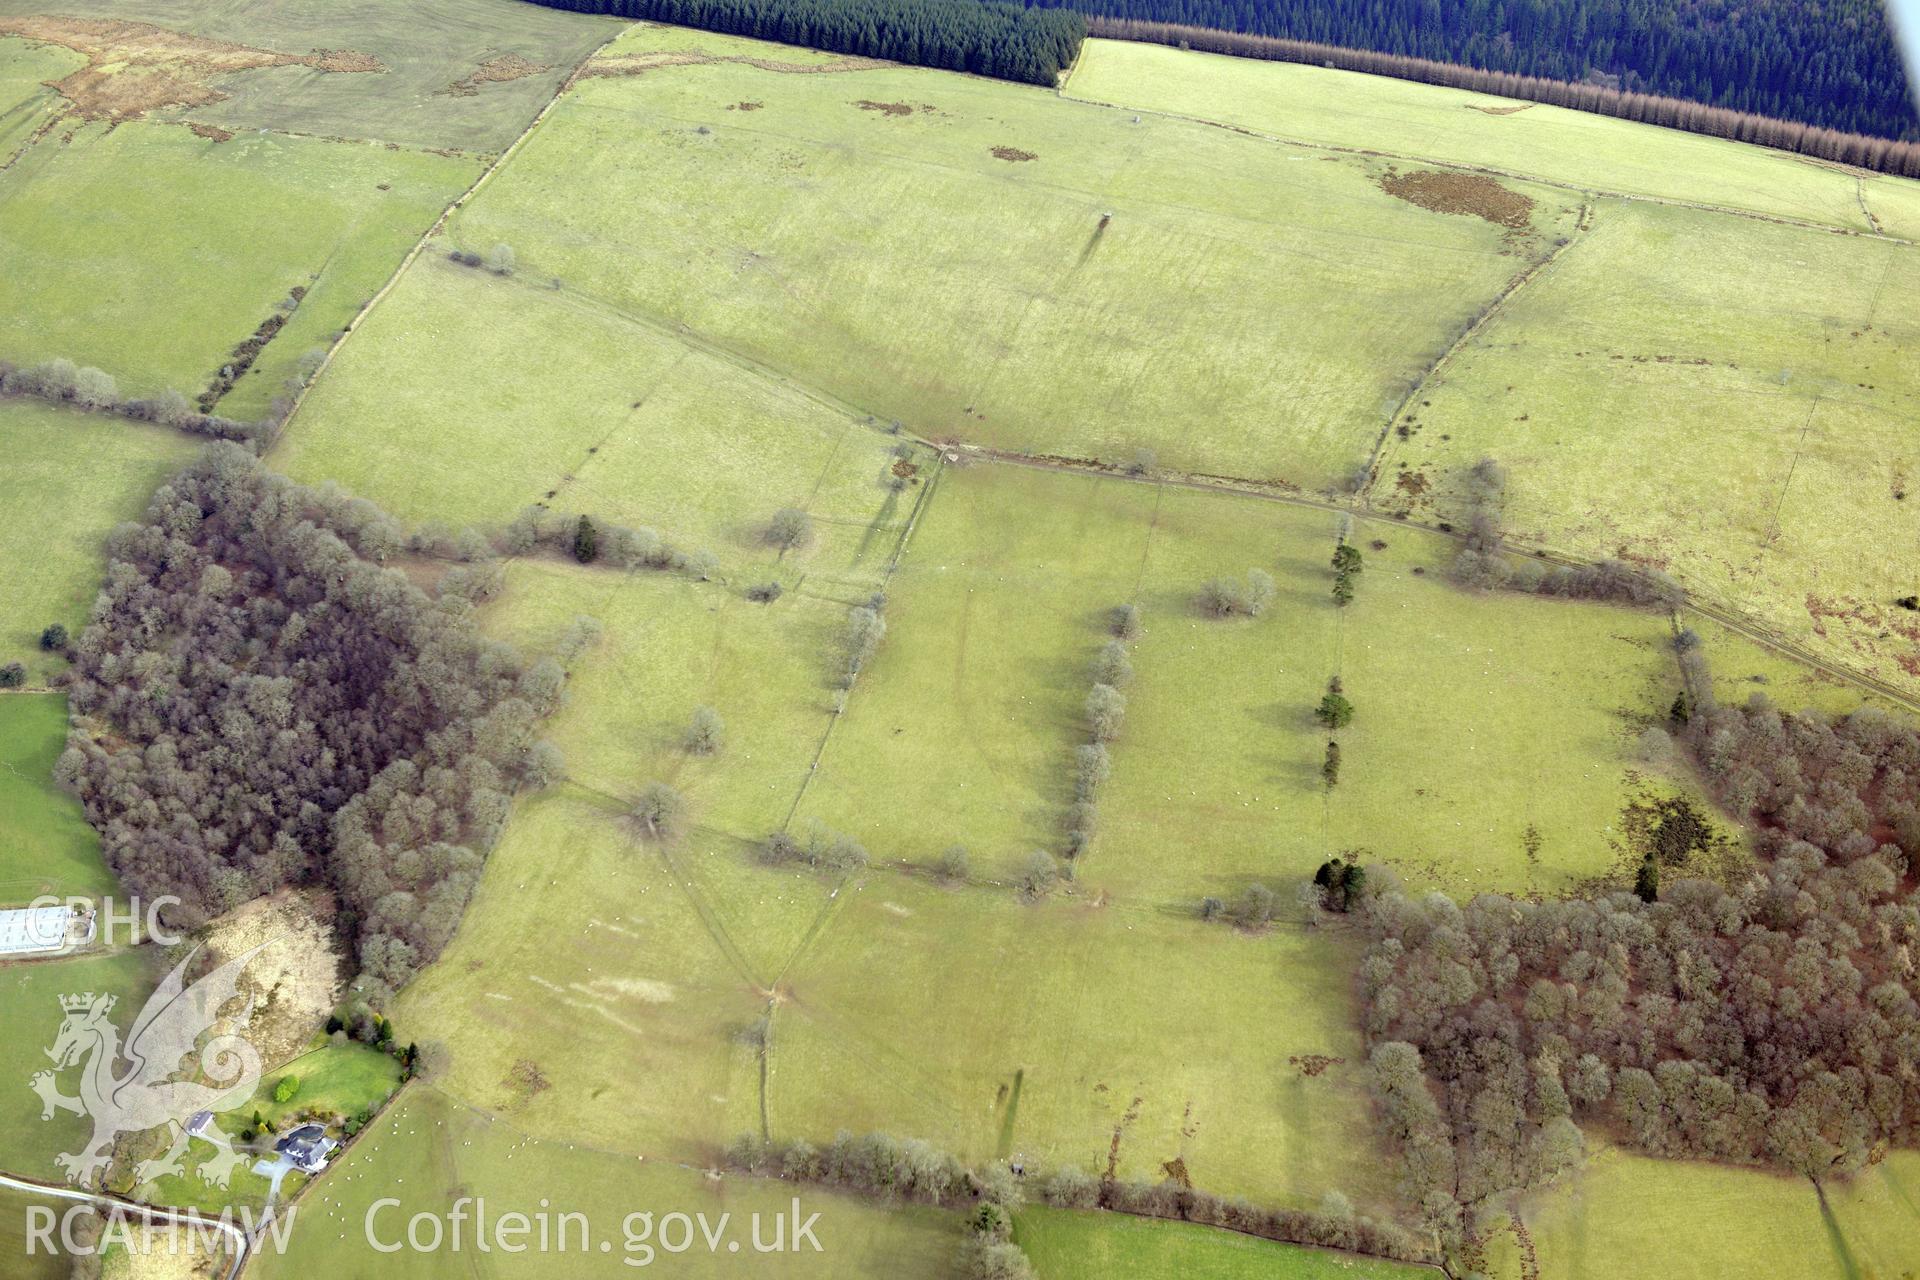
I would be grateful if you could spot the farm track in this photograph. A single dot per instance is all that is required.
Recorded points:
(243, 1245)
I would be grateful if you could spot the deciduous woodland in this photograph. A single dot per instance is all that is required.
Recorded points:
(258, 703)
(1770, 1020)
(1830, 63)
(1009, 42)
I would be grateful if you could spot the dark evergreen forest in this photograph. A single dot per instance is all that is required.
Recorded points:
(1007, 41)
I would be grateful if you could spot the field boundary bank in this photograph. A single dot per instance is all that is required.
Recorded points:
(1494, 171)
(453, 206)
(1488, 314)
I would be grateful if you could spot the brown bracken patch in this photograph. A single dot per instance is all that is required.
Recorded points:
(746, 106)
(508, 66)
(135, 67)
(1176, 1169)
(904, 469)
(1314, 1064)
(885, 108)
(1412, 483)
(1014, 155)
(1470, 194)
(1501, 111)
(212, 132)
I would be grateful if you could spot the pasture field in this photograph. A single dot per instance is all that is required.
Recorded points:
(961, 728)
(1096, 287)
(153, 252)
(1071, 1032)
(1629, 1216)
(634, 424)
(1481, 716)
(1791, 348)
(451, 74)
(54, 565)
(671, 646)
(30, 994)
(1067, 1245)
(1589, 152)
(592, 996)
(428, 1149)
(40, 1264)
(46, 846)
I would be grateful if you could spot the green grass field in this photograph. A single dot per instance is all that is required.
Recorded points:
(1480, 715)
(1788, 347)
(188, 244)
(896, 263)
(40, 1264)
(591, 994)
(30, 996)
(1630, 1216)
(1067, 1245)
(994, 1027)
(46, 846)
(424, 49)
(1453, 126)
(646, 429)
(345, 1079)
(429, 1149)
(54, 566)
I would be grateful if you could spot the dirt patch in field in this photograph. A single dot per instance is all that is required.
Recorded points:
(886, 108)
(1502, 111)
(633, 64)
(1472, 195)
(1013, 155)
(1176, 1169)
(746, 106)
(1313, 1064)
(211, 132)
(904, 469)
(1411, 483)
(508, 66)
(296, 978)
(135, 67)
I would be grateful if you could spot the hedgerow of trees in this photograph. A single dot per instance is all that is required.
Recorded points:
(1007, 41)
(908, 1169)
(1827, 65)
(257, 702)
(1773, 1020)
(62, 382)
(1482, 560)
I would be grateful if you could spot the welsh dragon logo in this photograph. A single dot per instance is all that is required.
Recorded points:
(131, 1088)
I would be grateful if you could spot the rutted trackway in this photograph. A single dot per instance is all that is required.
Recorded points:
(242, 1245)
